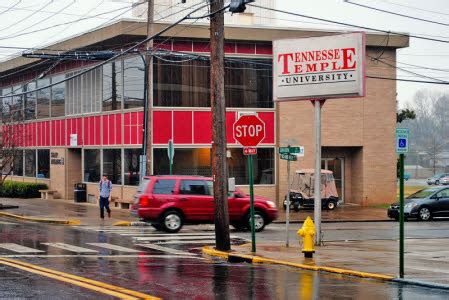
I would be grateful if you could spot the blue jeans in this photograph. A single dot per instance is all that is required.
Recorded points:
(104, 203)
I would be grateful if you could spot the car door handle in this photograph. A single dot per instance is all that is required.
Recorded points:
(183, 199)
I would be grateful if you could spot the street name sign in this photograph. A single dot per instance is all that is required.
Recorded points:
(402, 135)
(289, 157)
(299, 151)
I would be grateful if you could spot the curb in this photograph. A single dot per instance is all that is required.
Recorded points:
(129, 223)
(40, 220)
(236, 257)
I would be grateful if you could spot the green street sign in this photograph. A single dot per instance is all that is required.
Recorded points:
(292, 150)
(290, 157)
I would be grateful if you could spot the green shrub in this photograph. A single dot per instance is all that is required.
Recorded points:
(14, 189)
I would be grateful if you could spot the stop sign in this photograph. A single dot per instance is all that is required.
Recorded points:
(249, 130)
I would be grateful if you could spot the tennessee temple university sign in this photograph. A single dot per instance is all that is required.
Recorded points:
(319, 67)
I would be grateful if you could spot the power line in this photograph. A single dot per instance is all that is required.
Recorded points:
(11, 7)
(406, 80)
(129, 50)
(27, 17)
(414, 7)
(351, 25)
(394, 13)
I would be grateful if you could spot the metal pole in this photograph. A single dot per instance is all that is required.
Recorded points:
(287, 215)
(251, 195)
(149, 83)
(171, 166)
(401, 215)
(142, 166)
(218, 108)
(317, 186)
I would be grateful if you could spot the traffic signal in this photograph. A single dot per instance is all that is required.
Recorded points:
(238, 6)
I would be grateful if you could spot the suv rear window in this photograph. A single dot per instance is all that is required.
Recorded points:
(164, 186)
(193, 187)
(143, 185)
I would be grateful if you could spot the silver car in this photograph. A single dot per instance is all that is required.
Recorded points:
(435, 179)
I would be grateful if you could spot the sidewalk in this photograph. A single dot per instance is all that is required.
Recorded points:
(60, 209)
(425, 259)
(343, 213)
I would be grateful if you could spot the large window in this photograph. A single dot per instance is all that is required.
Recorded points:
(248, 82)
(17, 103)
(18, 163)
(58, 97)
(112, 86)
(91, 165)
(91, 91)
(197, 162)
(132, 166)
(112, 165)
(30, 102)
(134, 75)
(6, 105)
(43, 163)
(43, 99)
(30, 163)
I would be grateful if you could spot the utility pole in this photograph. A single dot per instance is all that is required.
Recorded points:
(149, 90)
(218, 107)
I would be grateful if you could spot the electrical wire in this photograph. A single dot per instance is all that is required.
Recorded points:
(394, 13)
(186, 17)
(413, 7)
(10, 8)
(27, 17)
(347, 24)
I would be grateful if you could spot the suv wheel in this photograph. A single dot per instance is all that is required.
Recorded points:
(172, 221)
(424, 214)
(331, 205)
(259, 220)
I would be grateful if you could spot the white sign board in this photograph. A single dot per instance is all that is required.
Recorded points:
(73, 140)
(319, 67)
(301, 151)
(402, 135)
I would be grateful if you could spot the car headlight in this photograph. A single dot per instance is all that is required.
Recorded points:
(272, 204)
(410, 205)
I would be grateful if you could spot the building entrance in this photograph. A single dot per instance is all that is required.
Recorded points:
(73, 169)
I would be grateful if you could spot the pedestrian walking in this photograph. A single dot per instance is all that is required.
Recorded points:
(105, 194)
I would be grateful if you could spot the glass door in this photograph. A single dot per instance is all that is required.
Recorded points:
(337, 166)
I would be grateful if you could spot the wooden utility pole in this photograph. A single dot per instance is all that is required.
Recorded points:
(219, 170)
(149, 96)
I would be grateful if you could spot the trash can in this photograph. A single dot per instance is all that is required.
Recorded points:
(80, 193)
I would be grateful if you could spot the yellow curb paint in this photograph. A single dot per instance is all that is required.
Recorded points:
(94, 285)
(40, 220)
(260, 260)
(122, 223)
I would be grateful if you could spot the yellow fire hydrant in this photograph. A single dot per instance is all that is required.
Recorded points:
(307, 232)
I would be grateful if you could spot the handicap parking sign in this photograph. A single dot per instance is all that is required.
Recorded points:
(402, 135)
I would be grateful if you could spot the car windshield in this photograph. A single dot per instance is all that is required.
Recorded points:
(422, 194)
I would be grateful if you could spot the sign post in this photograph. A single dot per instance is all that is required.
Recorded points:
(171, 154)
(402, 137)
(249, 131)
(319, 68)
(289, 154)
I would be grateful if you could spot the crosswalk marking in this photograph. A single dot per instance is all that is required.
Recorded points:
(70, 248)
(19, 248)
(168, 234)
(187, 242)
(114, 247)
(164, 249)
(171, 238)
(7, 223)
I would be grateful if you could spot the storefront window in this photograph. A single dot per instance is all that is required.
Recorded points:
(185, 162)
(17, 103)
(18, 163)
(248, 82)
(30, 163)
(30, 102)
(132, 166)
(6, 105)
(112, 86)
(112, 165)
(91, 165)
(134, 82)
(58, 97)
(43, 163)
(43, 99)
(197, 162)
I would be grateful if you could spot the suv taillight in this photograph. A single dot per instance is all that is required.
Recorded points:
(144, 201)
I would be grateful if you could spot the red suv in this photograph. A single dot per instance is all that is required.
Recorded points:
(170, 201)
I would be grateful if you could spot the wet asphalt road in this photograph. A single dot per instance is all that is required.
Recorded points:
(172, 268)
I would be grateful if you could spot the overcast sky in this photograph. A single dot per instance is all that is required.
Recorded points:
(24, 16)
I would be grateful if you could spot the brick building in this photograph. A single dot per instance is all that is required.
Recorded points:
(92, 124)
